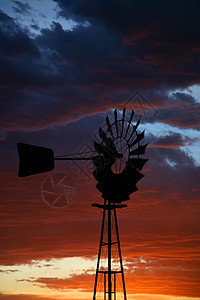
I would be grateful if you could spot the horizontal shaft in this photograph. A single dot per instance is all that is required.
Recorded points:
(76, 158)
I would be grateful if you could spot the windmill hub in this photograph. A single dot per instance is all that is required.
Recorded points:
(118, 163)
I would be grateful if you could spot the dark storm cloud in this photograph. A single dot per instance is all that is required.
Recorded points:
(22, 8)
(168, 28)
(14, 42)
(92, 45)
(162, 34)
(98, 59)
(173, 140)
(62, 75)
(172, 171)
(48, 81)
(174, 108)
(183, 117)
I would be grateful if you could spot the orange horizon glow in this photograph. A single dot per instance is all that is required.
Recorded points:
(160, 249)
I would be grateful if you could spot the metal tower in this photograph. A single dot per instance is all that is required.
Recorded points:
(109, 275)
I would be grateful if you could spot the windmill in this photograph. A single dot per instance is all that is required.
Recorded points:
(118, 163)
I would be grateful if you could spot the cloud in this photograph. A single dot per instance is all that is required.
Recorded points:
(89, 68)
(8, 271)
(16, 43)
(154, 277)
(173, 140)
(24, 297)
(144, 25)
(85, 282)
(73, 45)
(22, 8)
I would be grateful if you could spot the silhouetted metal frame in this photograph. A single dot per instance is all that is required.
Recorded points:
(108, 205)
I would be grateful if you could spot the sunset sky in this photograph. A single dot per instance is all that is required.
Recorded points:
(64, 66)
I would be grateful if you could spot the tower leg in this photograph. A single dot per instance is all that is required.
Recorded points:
(120, 254)
(99, 254)
(109, 253)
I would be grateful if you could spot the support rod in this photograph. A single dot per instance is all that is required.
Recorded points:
(104, 286)
(99, 254)
(109, 253)
(120, 254)
(115, 287)
(71, 158)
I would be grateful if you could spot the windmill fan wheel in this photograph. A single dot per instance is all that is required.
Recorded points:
(119, 162)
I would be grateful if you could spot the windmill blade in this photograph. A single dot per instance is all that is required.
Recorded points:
(98, 162)
(131, 189)
(109, 126)
(123, 118)
(139, 150)
(138, 176)
(139, 138)
(115, 113)
(111, 146)
(134, 130)
(109, 151)
(129, 123)
(137, 163)
(137, 124)
(102, 134)
(132, 174)
(131, 135)
(99, 148)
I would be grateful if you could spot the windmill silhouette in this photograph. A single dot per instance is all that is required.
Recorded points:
(118, 163)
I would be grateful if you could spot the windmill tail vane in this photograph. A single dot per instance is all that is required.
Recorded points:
(118, 163)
